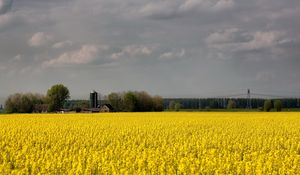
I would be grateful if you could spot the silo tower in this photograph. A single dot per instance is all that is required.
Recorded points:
(93, 99)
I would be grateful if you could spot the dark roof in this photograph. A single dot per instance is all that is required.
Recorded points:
(94, 109)
(108, 105)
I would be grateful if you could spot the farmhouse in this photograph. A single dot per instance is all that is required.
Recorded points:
(106, 108)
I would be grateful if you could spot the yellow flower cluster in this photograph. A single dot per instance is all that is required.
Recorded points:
(150, 143)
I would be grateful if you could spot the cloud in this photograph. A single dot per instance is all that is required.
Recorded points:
(132, 51)
(86, 54)
(18, 57)
(265, 76)
(40, 39)
(162, 10)
(62, 44)
(262, 40)
(172, 55)
(2, 68)
(5, 6)
(219, 37)
(5, 20)
(11, 21)
(236, 40)
(176, 8)
(224, 4)
(231, 35)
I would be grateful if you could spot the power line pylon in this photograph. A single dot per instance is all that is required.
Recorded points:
(249, 106)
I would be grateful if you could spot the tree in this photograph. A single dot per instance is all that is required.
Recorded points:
(57, 95)
(267, 105)
(115, 100)
(158, 103)
(278, 105)
(177, 106)
(144, 101)
(231, 104)
(130, 102)
(23, 103)
(172, 105)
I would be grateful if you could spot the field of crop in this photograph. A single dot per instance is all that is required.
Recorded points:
(150, 143)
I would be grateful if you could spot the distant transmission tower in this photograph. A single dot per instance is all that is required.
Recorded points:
(249, 106)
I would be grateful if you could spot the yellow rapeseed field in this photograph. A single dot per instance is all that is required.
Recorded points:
(150, 143)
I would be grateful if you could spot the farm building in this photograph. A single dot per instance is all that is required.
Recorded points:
(106, 108)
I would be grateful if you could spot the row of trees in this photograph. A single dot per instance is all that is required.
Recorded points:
(269, 104)
(135, 102)
(221, 103)
(23, 103)
(29, 102)
(57, 95)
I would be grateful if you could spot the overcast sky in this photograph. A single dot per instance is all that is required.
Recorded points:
(173, 48)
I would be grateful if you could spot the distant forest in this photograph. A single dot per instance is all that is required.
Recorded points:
(221, 103)
(203, 103)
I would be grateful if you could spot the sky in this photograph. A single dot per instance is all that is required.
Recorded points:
(172, 48)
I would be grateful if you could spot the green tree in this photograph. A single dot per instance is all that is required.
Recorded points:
(130, 102)
(56, 96)
(158, 103)
(115, 100)
(267, 105)
(278, 105)
(23, 103)
(177, 106)
(145, 102)
(172, 105)
(231, 104)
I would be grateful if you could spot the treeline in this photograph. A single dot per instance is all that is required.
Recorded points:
(131, 101)
(24, 103)
(30, 102)
(221, 103)
(57, 95)
(135, 102)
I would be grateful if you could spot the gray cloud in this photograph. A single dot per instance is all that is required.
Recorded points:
(171, 9)
(5, 6)
(40, 39)
(86, 54)
(169, 47)
(172, 55)
(133, 51)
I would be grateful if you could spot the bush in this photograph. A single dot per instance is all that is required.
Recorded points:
(78, 110)
(278, 105)
(135, 101)
(267, 105)
(231, 104)
(23, 103)
(57, 95)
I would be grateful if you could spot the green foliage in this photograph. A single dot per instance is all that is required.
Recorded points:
(23, 103)
(135, 102)
(158, 103)
(177, 106)
(57, 95)
(77, 109)
(73, 104)
(115, 100)
(130, 102)
(174, 106)
(267, 105)
(231, 104)
(278, 105)
(144, 101)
